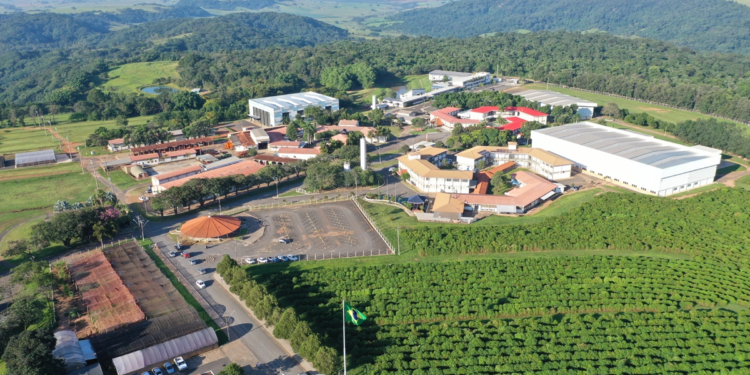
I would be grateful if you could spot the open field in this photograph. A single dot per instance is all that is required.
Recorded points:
(15, 140)
(30, 192)
(132, 77)
(414, 81)
(658, 112)
(77, 132)
(121, 179)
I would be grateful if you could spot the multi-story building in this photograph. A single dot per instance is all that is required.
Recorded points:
(542, 162)
(270, 111)
(424, 175)
(460, 79)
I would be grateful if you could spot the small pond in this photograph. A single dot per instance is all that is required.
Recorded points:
(158, 89)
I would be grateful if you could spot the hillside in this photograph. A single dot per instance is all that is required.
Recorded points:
(707, 25)
(227, 4)
(237, 31)
(23, 31)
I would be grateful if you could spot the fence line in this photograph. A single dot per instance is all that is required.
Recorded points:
(642, 101)
(290, 204)
(372, 224)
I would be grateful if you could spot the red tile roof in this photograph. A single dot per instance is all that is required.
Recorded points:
(210, 226)
(144, 157)
(534, 187)
(348, 123)
(246, 167)
(172, 154)
(117, 141)
(528, 111)
(293, 144)
(514, 123)
(165, 146)
(444, 114)
(300, 151)
(485, 109)
(179, 172)
(245, 139)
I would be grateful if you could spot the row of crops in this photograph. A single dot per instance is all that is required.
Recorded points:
(714, 223)
(555, 315)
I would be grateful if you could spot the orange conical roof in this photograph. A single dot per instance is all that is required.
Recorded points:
(210, 226)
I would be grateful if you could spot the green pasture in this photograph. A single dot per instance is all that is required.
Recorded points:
(658, 112)
(77, 132)
(132, 77)
(15, 140)
(121, 179)
(32, 191)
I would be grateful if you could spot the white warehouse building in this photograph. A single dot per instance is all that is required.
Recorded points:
(270, 111)
(633, 159)
(553, 99)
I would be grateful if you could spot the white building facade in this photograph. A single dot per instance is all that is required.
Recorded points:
(633, 159)
(427, 177)
(270, 111)
(549, 165)
(460, 79)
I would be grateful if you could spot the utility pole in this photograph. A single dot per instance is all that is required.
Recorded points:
(226, 323)
(398, 239)
(141, 223)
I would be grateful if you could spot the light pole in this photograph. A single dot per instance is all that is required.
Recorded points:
(277, 185)
(226, 323)
(110, 184)
(141, 223)
(398, 239)
(79, 156)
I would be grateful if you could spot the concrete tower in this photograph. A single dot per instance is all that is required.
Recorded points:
(362, 153)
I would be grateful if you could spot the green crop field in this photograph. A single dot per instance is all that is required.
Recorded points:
(15, 140)
(663, 293)
(658, 112)
(132, 77)
(30, 192)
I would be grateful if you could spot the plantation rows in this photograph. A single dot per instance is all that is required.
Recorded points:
(627, 343)
(412, 311)
(415, 293)
(714, 223)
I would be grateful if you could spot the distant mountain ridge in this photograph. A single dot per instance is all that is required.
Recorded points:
(227, 4)
(706, 25)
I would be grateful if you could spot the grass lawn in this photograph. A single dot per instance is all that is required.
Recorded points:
(147, 243)
(387, 218)
(659, 112)
(25, 231)
(412, 81)
(743, 182)
(30, 192)
(77, 132)
(132, 77)
(122, 179)
(730, 169)
(290, 193)
(15, 140)
(428, 130)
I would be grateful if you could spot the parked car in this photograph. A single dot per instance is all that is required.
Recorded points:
(262, 260)
(272, 259)
(178, 247)
(146, 373)
(143, 199)
(173, 254)
(250, 260)
(392, 169)
(283, 240)
(200, 284)
(157, 371)
(180, 363)
(202, 271)
(170, 369)
(292, 258)
(186, 255)
(282, 258)
(193, 261)
(148, 190)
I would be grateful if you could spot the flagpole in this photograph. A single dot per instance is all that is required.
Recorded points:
(343, 316)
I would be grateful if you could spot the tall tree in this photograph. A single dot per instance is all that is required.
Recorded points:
(30, 353)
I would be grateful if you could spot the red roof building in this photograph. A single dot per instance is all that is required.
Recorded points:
(447, 117)
(513, 125)
(527, 114)
(246, 167)
(486, 109)
(211, 226)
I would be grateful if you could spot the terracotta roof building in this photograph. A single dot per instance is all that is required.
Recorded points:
(447, 117)
(172, 146)
(298, 153)
(429, 178)
(270, 159)
(210, 227)
(539, 161)
(245, 167)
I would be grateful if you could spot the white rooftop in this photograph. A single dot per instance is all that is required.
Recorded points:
(292, 100)
(450, 74)
(553, 98)
(640, 148)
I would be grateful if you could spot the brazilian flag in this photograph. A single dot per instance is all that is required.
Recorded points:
(353, 315)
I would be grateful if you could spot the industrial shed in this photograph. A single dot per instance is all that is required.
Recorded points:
(28, 159)
(636, 160)
(186, 346)
(553, 99)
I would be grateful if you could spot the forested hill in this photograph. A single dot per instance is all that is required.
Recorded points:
(236, 31)
(227, 4)
(642, 68)
(23, 31)
(706, 25)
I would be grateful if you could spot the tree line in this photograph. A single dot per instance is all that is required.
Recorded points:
(704, 25)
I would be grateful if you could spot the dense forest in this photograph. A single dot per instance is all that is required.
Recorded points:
(23, 31)
(641, 68)
(706, 25)
(226, 4)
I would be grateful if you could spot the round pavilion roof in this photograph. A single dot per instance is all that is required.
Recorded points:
(210, 226)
